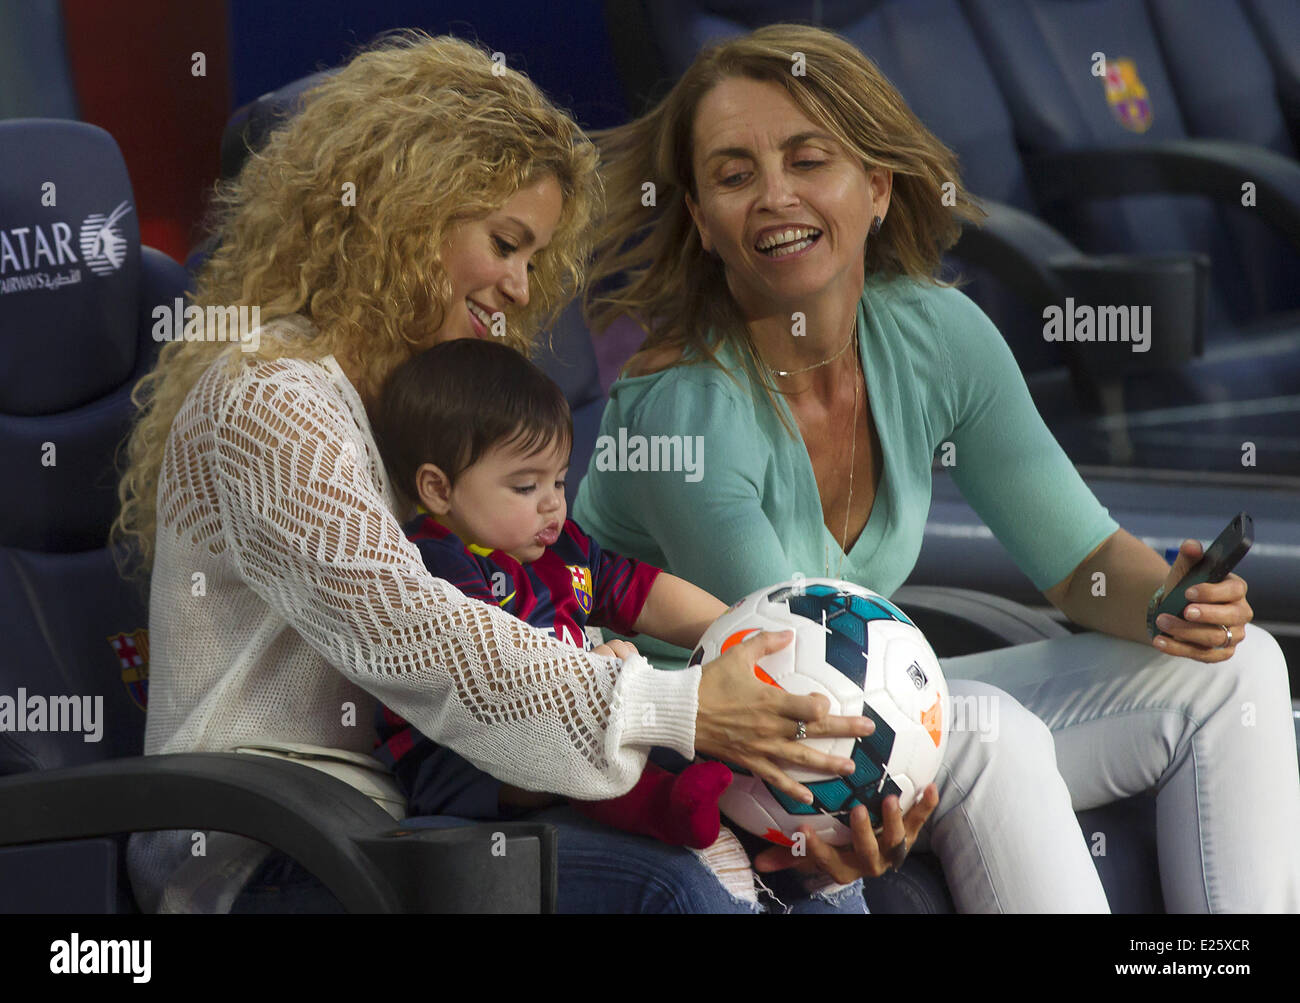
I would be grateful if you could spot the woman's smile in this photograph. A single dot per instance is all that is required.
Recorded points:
(783, 244)
(782, 202)
(479, 318)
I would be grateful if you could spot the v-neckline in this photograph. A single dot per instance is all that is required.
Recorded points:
(874, 526)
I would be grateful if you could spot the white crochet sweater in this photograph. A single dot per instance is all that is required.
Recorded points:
(312, 601)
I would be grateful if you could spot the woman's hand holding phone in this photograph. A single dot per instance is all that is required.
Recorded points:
(1213, 617)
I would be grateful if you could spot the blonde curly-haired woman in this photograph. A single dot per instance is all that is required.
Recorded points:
(419, 193)
(785, 275)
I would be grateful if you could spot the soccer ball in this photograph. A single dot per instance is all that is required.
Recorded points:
(863, 653)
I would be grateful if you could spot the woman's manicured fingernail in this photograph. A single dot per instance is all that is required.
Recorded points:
(1164, 620)
(1193, 613)
(1191, 593)
(1161, 642)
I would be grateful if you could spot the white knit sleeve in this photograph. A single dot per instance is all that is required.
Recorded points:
(307, 528)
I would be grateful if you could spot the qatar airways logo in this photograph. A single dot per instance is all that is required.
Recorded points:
(49, 257)
(103, 247)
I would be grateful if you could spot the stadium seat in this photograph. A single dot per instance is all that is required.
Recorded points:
(1277, 26)
(35, 79)
(1113, 166)
(76, 328)
(1242, 105)
(1043, 53)
(251, 125)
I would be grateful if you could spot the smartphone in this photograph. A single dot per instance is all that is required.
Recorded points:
(1214, 565)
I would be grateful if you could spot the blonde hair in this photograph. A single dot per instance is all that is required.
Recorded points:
(649, 262)
(429, 136)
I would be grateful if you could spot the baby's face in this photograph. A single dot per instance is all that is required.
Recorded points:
(511, 501)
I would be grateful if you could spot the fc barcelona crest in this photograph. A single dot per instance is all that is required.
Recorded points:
(1127, 96)
(132, 652)
(581, 578)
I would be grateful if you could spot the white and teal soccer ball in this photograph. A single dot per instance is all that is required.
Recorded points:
(867, 657)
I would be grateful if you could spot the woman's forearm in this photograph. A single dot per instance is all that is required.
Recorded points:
(1110, 588)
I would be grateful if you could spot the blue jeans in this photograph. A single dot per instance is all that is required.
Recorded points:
(601, 870)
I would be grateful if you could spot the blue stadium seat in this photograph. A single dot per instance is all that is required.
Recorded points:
(77, 296)
(1277, 25)
(1199, 46)
(1095, 144)
(1225, 85)
(1155, 93)
(35, 79)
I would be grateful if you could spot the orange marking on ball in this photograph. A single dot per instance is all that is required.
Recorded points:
(763, 677)
(737, 637)
(932, 721)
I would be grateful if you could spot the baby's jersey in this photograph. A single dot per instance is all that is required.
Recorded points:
(574, 583)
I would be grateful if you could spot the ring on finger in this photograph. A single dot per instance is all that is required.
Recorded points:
(801, 731)
(1227, 636)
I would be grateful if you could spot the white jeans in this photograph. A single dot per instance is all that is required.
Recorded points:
(1046, 729)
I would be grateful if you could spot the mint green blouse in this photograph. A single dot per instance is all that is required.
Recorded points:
(746, 513)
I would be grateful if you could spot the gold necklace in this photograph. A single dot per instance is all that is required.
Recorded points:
(853, 442)
(853, 458)
(817, 365)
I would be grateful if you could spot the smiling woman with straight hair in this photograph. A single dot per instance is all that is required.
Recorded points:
(785, 276)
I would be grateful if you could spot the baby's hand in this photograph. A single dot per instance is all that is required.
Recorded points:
(616, 649)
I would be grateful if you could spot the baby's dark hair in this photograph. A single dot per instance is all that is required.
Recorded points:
(450, 404)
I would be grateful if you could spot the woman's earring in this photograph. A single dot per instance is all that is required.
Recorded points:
(876, 225)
